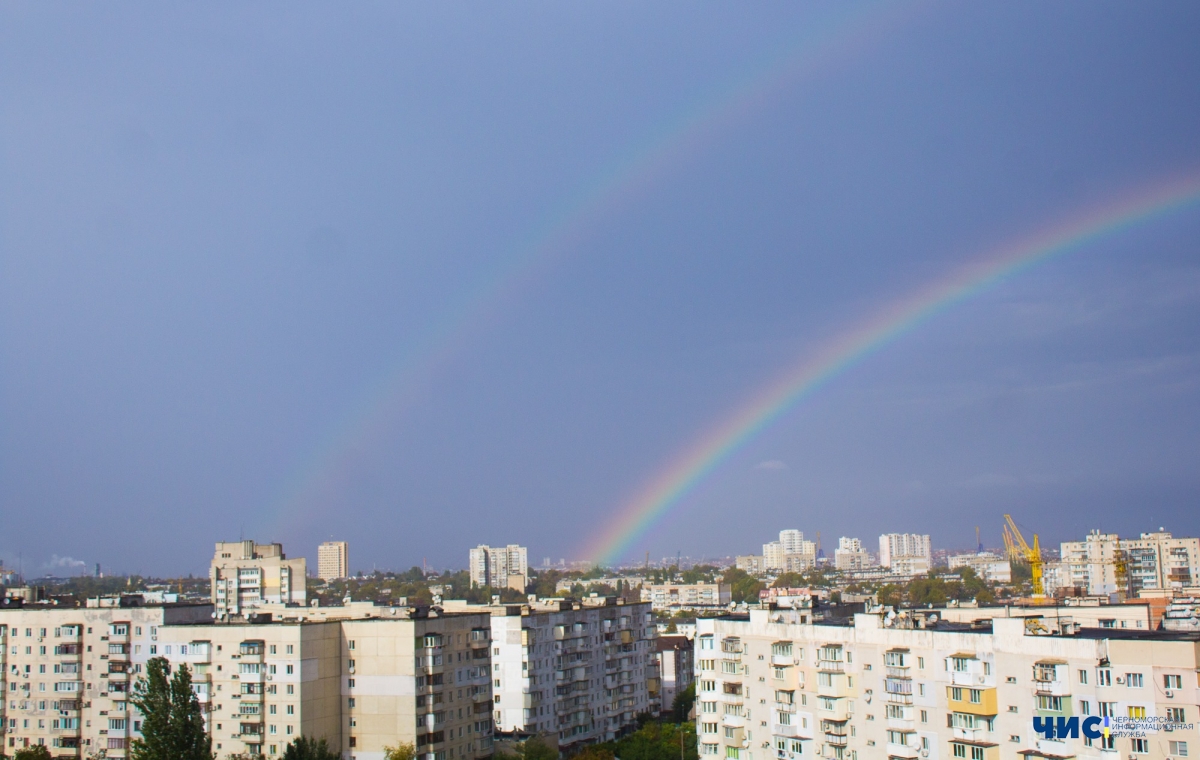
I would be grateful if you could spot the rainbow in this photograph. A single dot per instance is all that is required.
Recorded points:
(683, 473)
(371, 418)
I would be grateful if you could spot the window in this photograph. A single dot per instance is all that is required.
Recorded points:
(1179, 749)
(733, 753)
(779, 673)
(1175, 715)
(1083, 677)
(921, 663)
(730, 732)
(924, 716)
(1103, 677)
(976, 696)
(350, 644)
(1137, 711)
(1172, 682)
(290, 649)
(1108, 709)
(1140, 746)
(708, 728)
(1133, 680)
(1049, 703)
(706, 685)
(1085, 707)
(351, 702)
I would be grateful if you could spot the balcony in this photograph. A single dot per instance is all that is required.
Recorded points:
(791, 731)
(901, 724)
(831, 666)
(902, 750)
(733, 721)
(837, 740)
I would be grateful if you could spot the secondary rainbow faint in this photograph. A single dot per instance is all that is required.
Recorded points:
(668, 488)
(373, 415)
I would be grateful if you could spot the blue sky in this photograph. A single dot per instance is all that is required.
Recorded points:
(222, 226)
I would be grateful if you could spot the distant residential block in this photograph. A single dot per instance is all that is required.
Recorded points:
(245, 575)
(905, 553)
(686, 596)
(1151, 561)
(333, 560)
(990, 567)
(850, 555)
(754, 564)
(500, 567)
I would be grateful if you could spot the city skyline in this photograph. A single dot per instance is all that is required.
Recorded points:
(425, 280)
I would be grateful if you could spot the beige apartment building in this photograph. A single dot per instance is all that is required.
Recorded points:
(245, 575)
(581, 671)
(333, 560)
(1152, 561)
(768, 687)
(379, 676)
(686, 596)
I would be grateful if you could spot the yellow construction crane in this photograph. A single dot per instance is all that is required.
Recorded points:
(1022, 553)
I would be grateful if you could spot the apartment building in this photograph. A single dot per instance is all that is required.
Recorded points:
(990, 567)
(907, 554)
(1152, 561)
(675, 656)
(376, 677)
(850, 555)
(753, 564)
(499, 567)
(245, 575)
(675, 597)
(790, 554)
(580, 670)
(333, 560)
(65, 673)
(769, 687)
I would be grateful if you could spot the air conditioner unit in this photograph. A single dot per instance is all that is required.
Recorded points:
(1170, 694)
(1120, 679)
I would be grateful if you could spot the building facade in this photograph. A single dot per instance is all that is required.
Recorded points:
(778, 559)
(675, 656)
(333, 560)
(500, 567)
(990, 567)
(1104, 563)
(754, 564)
(771, 688)
(581, 671)
(850, 555)
(905, 553)
(674, 597)
(245, 575)
(384, 677)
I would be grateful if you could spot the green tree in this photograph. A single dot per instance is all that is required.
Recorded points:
(533, 748)
(682, 705)
(36, 752)
(172, 723)
(400, 752)
(306, 748)
(743, 587)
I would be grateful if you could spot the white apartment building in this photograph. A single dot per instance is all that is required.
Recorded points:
(905, 553)
(1152, 561)
(675, 654)
(850, 555)
(769, 688)
(790, 554)
(990, 567)
(500, 567)
(376, 677)
(245, 575)
(792, 541)
(333, 560)
(581, 670)
(674, 597)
